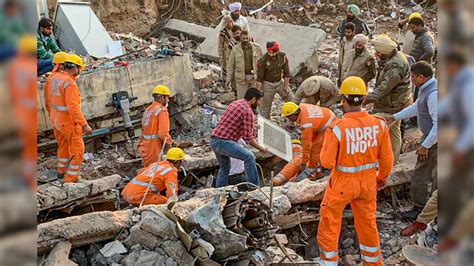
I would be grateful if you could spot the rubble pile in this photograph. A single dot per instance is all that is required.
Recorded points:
(208, 225)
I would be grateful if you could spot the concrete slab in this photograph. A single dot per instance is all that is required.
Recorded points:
(192, 31)
(139, 78)
(298, 42)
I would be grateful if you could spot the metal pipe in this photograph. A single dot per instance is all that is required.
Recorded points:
(254, 223)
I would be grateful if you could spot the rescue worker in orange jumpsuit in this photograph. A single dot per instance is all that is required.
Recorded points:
(313, 121)
(67, 119)
(58, 62)
(161, 178)
(21, 80)
(291, 169)
(357, 149)
(155, 127)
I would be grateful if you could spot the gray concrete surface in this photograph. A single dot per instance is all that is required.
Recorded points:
(193, 31)
(139, 78)
(298, 42)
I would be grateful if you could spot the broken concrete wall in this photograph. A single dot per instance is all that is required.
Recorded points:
(298, 42)
(139, 78)
(54, 195)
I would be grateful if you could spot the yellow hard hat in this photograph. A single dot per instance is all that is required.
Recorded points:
(175, 154)
(75, 59)
(162, 90)
(353, 86)
(288, 108)
(414, 15)
(295, 141)
(27, 44)
(59, 57)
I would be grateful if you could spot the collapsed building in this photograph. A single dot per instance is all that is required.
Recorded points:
(87, 223)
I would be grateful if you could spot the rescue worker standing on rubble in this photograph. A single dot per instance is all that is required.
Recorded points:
(392, 92)
(161, 179)
(317, 90)
(225, 43)
(155, 127)
(67, 119)
(58, 61)
(313, 121)
(237, 123)
(242, 65)
(22, 83)
(273, 76)
(355, 147)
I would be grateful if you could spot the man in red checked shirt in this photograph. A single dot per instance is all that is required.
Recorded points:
(237, 122)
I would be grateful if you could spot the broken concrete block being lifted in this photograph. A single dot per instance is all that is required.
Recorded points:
(299, 43)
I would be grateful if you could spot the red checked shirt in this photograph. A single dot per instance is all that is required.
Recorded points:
(236, 122)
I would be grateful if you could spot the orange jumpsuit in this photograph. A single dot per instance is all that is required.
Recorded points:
(353, 149)
(164, 173)
(313, 121)
(67, 120)
(291, 169)
(46, 88)
(22, 87)
(155, 129)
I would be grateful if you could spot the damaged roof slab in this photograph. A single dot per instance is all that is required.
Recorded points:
(139, 78)
(289, 36)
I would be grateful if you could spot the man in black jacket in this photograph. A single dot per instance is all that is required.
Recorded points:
(353, 12)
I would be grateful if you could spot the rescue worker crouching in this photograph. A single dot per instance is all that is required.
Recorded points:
(155, 126)
(354, 148)
(313, 121)
(161, 178)
(292, 168)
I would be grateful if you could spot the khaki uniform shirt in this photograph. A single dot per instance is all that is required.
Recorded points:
(237, 61)
(273, 69)
(362, 65)
(248, 58)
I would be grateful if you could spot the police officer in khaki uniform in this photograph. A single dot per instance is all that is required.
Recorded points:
(392, 91)
(242, 64)
(273, 76)
(361, 62)
(317, 90)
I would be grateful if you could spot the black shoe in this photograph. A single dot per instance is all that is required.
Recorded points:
(411, 215)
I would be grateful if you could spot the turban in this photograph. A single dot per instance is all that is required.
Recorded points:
(313, 87)
(384, 44)
(235, 6)
(273, 46)
(353, 9)
(361, 38)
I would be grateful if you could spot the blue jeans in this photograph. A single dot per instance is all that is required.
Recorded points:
(44, 66)
(224, 149)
